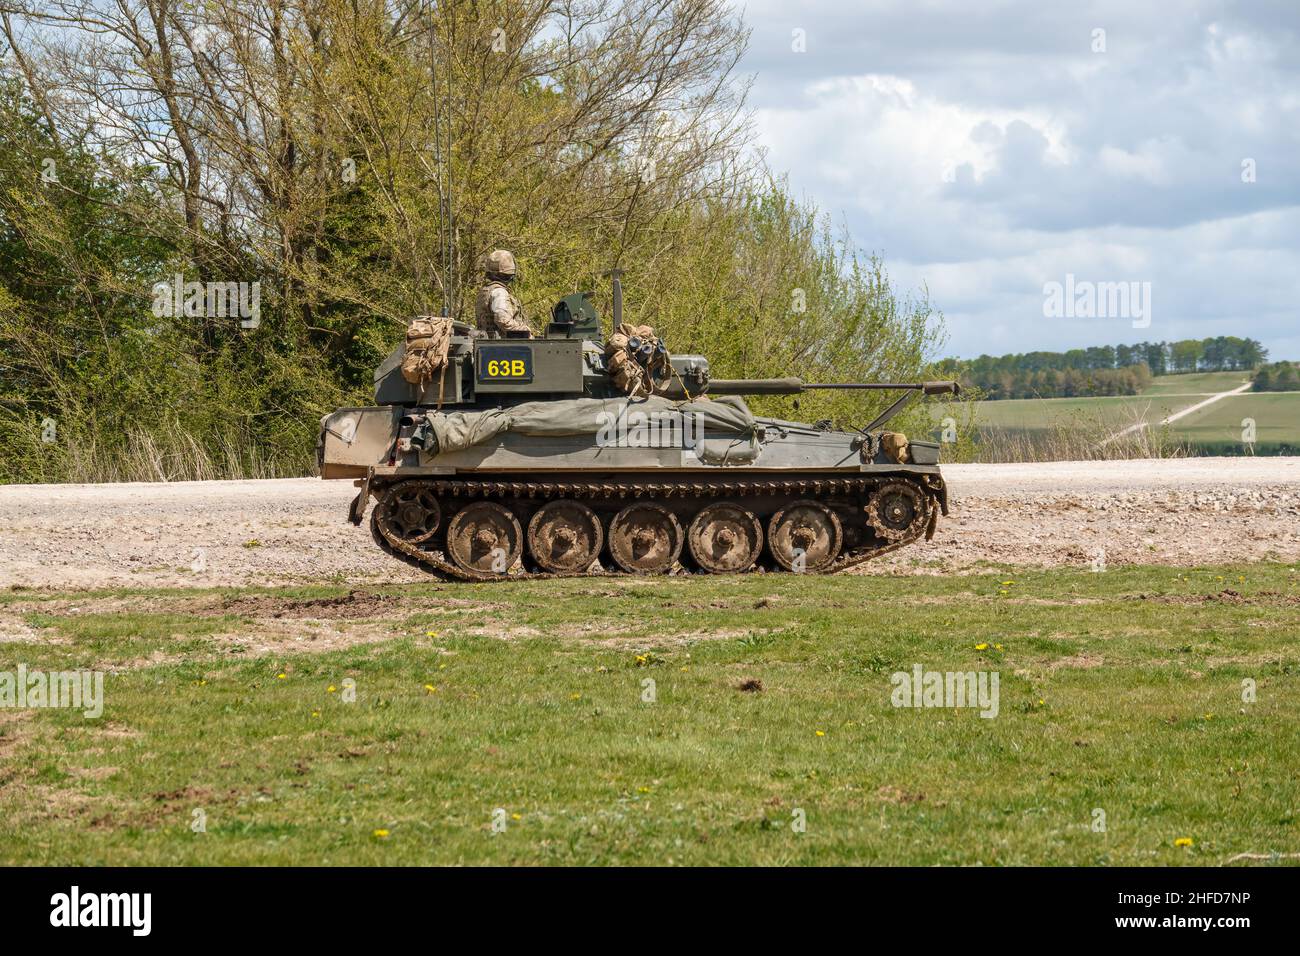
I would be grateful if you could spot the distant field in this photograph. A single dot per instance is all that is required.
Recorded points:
(1043, 413)
(1206, 383)
(1276, 416)
(1216, 428)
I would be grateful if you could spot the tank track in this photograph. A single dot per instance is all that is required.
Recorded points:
(854, 497)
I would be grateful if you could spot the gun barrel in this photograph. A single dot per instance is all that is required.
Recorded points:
(929, 388)
(794, 386)
(755, 386)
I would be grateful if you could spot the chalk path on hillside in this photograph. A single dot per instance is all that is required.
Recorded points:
(1181, 413)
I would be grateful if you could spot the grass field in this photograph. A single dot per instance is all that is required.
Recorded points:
(1167, 394)
(1216, 429)
(1196, 383)
(510, 724)
(1276, 416)
(1035, 414)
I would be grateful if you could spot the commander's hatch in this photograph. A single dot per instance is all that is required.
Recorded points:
(574, 317)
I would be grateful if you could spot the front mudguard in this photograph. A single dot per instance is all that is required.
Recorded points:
(940, 491)
(357, 510)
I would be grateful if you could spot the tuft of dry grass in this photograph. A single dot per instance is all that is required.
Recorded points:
(143, 455)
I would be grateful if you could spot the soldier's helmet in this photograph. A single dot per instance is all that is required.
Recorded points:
(500, 262)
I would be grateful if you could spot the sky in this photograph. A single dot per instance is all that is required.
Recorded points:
(988, 148)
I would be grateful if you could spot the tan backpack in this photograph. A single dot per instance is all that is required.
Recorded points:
(428, 341)
(895, 446)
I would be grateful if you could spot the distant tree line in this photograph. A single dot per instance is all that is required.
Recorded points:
(1058, 383)
(1277, 377)
(1102, 370)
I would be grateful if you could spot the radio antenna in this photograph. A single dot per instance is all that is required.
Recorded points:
(442, 137)
(452, 257)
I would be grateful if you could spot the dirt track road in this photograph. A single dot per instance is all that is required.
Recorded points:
(1180, 512)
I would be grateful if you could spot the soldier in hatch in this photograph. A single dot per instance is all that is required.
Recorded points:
(497, 311)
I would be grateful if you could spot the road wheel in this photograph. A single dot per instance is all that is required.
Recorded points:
(485, 537)
(645, 538)
(564, 537)
(804, 536)
(725, 538)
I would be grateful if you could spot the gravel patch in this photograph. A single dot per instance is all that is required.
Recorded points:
(290, 531)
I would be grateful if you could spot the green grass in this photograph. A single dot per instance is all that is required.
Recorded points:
(1276, 415)
(1119, 691)
(1216, 429)
(1166, 395)
(1196, 383)
(1041, 414)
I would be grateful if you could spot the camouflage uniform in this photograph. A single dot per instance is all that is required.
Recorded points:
(497, 311)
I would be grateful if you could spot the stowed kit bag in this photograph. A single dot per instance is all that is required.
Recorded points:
(895, 446)
(630, 376)
(428, 341)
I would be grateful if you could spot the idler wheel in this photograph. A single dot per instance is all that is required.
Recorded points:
(725, 538)
(564, 537)
(897, 511)
(485, 537)
(804, 536)
(645, 538)
(409, 511)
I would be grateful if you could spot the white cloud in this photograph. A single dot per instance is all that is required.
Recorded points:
(985, 153)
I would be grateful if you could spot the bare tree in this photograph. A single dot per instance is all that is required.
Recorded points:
(307, 139)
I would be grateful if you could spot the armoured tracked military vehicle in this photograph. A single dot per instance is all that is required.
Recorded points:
(521, 457)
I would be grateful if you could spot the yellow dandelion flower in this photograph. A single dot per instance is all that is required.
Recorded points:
(430, 688)
(1041, 701)
(516, 816)
(821, 733)
(315, 713)
(380, 834)
(981, 647)
(430, 633)
(997, 647)
(280, 676)
(575, 697)
(1183, 841)
(442, 667)
(331, 689)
